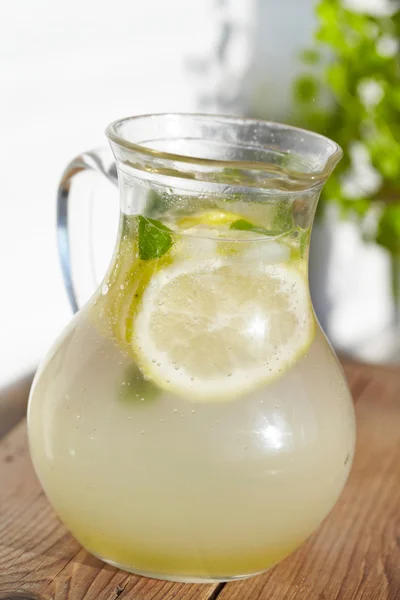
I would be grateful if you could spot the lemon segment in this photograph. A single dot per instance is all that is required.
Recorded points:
(218, 328)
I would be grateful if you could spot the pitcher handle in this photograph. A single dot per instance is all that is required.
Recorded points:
(99, 161)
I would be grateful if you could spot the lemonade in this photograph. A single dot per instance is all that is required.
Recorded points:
(193, 422)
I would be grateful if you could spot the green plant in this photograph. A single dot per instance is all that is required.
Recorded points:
(351, 93)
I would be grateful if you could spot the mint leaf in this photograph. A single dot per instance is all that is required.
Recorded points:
(310, 56)
(388, 234)
(154, 238)
(136, 388)
(243, 225)
(306, 89)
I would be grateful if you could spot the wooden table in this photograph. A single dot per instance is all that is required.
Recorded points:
(354, 555)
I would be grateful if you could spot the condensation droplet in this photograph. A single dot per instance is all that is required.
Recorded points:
(175, 410)
(193, 411)
(104, 289)
(142, 432)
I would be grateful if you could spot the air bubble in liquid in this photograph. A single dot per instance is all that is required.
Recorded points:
(104, 289)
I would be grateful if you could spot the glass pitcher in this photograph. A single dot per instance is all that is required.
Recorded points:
(192, 422)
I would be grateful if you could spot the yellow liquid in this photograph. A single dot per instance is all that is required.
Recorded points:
(161, 485)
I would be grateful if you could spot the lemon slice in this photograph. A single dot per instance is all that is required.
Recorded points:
(215, 329)
(208, 218)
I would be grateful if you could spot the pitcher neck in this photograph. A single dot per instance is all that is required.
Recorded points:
(175, 162)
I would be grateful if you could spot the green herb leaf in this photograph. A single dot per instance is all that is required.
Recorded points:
(243, 225)
(310, 56)
(306, 88)
(388, 234)
(135, 388)
(154, 238)
(231, 175)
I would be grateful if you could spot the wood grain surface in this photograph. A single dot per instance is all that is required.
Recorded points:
(355, 555)
(13, 401)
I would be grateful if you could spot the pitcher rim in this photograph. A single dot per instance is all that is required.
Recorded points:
(314, 176)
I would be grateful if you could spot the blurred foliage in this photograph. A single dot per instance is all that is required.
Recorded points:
(350, 92)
